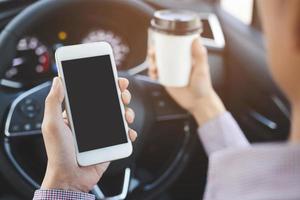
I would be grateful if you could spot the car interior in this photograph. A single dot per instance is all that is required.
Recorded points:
(168, 162)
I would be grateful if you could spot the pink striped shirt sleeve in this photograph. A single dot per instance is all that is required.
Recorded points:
(221, 133)
(238, 170)
(61, 195)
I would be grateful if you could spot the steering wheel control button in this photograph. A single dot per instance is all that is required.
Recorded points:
(27, 127)
(15, 128)
(38, 126)
(166, 109)
(30, 108)
(28, 101)
(156, 93)
(26, 112)
(161, 104)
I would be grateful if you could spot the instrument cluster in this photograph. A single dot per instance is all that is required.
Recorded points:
(35, 63)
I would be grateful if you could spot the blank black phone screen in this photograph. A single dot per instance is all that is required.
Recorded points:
(94, 102)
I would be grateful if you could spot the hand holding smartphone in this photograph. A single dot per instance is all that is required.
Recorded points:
(93, 102)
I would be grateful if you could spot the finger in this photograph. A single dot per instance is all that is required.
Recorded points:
(66, 121)
(53, 102)
(152, 62)
(199, 52)
(151, 57)
(132, 135)
(64, 114)
(65, 117)
(152, 72)
(200, 62)
(129, 115)
(126, 97)
(123, 84)
(151, 52)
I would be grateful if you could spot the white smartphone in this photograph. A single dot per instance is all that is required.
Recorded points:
(93, 102)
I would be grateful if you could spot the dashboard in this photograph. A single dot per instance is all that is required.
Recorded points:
(34, 61)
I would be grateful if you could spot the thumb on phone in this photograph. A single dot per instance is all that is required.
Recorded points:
(53, 120)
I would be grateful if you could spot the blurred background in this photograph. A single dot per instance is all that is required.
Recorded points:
(169, 162)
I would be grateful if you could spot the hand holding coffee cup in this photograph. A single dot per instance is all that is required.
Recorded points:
(171, 35)
(194, 92)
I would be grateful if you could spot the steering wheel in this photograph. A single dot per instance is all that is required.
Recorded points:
(151, 103)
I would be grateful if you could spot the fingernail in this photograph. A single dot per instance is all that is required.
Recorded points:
(126, 93)
(54, 83)
(134, 135)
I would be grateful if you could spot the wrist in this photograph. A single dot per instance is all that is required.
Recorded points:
(61, 182)
(207, 108)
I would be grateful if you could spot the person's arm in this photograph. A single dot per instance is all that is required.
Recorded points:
(64, 178)
(217, 127)
(221, 132)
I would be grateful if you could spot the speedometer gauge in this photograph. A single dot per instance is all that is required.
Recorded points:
(119, 46)
(32, 62)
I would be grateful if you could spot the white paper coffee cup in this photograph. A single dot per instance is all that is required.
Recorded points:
(172, 33)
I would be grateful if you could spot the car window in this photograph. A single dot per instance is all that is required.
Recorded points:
(241, 9)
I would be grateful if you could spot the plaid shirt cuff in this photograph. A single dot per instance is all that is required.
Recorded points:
(61, 195)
